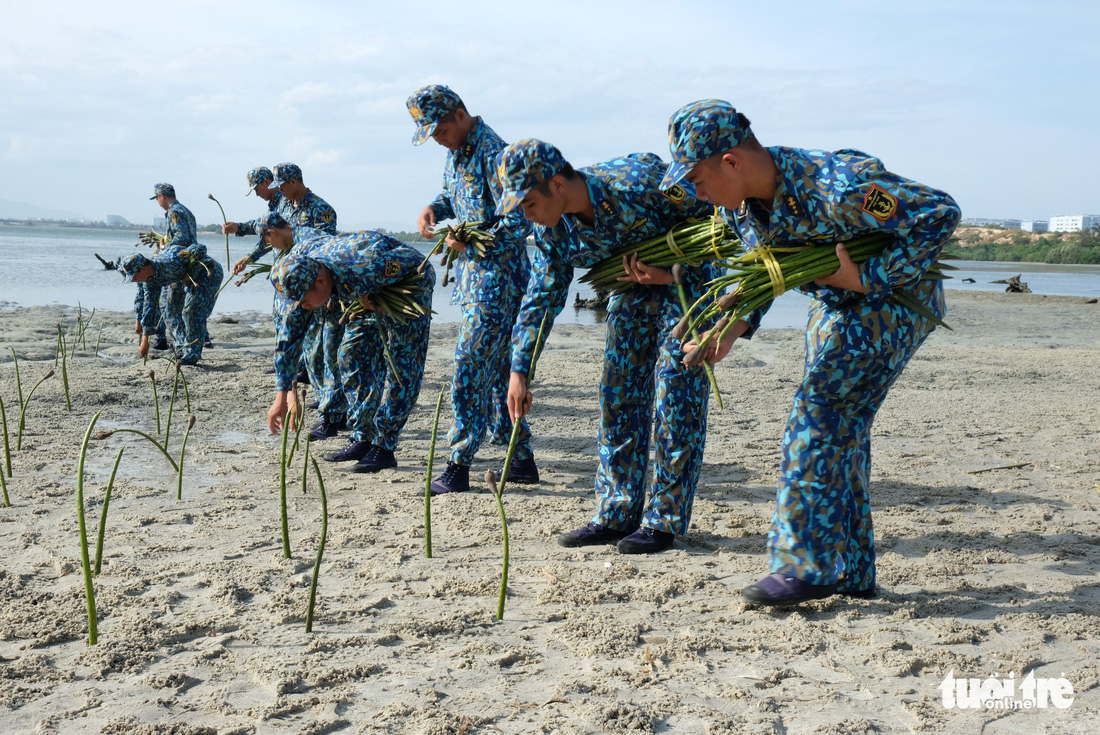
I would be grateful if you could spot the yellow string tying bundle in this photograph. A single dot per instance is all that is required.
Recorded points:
(775, 273)
(673, 246)
(714, 234)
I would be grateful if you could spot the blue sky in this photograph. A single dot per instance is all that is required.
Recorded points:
(995, 102)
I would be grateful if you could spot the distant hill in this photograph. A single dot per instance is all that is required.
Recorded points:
(1011, 245)
(22, 210)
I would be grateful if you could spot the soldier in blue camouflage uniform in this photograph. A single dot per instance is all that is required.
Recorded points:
(259, 180)
(181, 231)
(198, 277)
(301, 208)
(857, 342)
(581, 217)
(488, 289)
(349, 268)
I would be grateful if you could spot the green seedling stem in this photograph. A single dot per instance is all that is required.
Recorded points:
(89, 592)
(186, 391)
(148, 438)
(305, 464)
(298, 401)
(428, 477)
(23, 413)
(695, 336)
(183, 448)
(228, 265)
(498, 491)
(282, 490)
(156, 399)
(7, 445)
(64, 368)
(386, 349)
(103, 512)
(171, 408)
(18, 382)
(320, 548)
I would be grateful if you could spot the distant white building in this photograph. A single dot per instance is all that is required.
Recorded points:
(160, 224)
(1073, 222)
(1010, 224)
(1035, 225)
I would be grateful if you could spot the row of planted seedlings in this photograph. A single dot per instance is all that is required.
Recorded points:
(65, 349)
(161, 442)
(495, 484)
(476, 242)
(289, 448)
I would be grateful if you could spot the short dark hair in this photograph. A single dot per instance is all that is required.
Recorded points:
(568, 173)
(450, 116)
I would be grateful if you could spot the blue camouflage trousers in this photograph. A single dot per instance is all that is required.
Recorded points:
(479, 390)
(379, 401)
(821, 531)
(188, 306)
(645, 390)
(321, 355)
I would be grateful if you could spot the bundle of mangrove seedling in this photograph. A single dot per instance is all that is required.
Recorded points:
(467, 233)
(151, 239)
(252, 272)
(692, 241)
(398, 300)
(762, 274)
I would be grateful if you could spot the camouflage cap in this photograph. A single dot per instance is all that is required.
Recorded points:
(522, 165)
(285, 172)
(293, 275)
(258, 176)
(428, 105)
(700, 130)
(166, 189)
(269, 220)
(132, 264)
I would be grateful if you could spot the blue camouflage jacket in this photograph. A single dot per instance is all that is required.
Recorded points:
(181, 229)
(361, 263)
(249, 228)
(630, 207)
(172, 265)
(181, 232)
(313, 213)
(836, 196)
(470, 194)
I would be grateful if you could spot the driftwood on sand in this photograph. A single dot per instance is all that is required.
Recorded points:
(111, 265)
(1015, 285)
(599, 301)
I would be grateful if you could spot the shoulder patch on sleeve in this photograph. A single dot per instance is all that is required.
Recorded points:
(393, 268)
(326, 216)
(174, 217)
(676, 193)
(879, 203)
